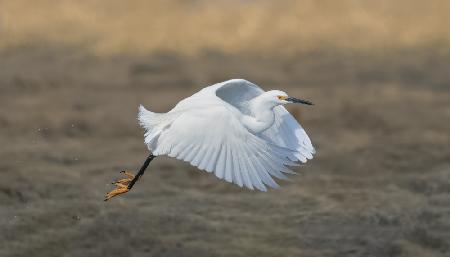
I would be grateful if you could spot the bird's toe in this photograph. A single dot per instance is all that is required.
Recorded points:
(115, 192)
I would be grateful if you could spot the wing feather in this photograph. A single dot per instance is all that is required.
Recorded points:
(204, 162)
(200, 154)
(244, 169)
(190, 156)
(220, 165)
(287, 132)
(180, 152)
(237, 169)
(233, 153)
(213, 160)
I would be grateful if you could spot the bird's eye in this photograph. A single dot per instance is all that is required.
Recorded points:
(280, 97)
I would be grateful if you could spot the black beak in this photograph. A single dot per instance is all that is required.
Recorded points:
(298, 101)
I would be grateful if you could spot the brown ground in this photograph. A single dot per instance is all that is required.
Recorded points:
(378, 186)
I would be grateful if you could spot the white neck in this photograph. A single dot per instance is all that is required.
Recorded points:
(262, 116)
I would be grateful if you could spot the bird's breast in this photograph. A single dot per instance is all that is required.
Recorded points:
(259, 123)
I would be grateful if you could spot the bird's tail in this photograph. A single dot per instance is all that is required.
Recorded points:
(146, 118)
(149, 121)
(154, 124)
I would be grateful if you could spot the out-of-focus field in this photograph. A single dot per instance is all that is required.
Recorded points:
(236, 26)
(72, 74)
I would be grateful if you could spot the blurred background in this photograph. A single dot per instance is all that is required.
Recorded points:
(72, 74)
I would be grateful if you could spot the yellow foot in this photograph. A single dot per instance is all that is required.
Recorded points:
(124, 181)
(121, 186)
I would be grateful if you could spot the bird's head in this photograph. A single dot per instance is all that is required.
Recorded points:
(278, 97)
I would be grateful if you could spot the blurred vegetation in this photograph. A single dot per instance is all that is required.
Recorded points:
(260, 27)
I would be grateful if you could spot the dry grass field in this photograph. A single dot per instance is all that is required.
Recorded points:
(72, 74)
(238, 26)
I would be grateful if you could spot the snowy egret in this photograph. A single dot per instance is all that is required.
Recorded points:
(234, 129)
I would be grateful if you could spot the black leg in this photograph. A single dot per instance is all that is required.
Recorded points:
(141, 170)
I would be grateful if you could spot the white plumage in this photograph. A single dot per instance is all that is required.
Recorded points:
(233, 129)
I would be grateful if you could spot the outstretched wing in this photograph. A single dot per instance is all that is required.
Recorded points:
(214, 140)
(238, 92)
(288, 133)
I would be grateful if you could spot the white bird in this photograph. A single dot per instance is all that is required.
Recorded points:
(232, 129)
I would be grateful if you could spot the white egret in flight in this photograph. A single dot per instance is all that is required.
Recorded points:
(233, 129)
